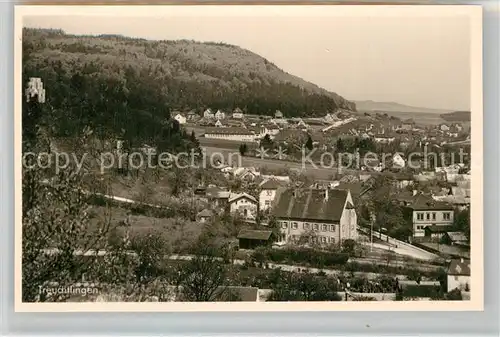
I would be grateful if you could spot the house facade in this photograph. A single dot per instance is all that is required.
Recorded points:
(180, 119)
(208, 113)
(425, 212)
(316, 216)
(243, 204)
(220, 114)
(398, 160)
(234, 134)
(458, 275)
(238, 114)
(268, 190)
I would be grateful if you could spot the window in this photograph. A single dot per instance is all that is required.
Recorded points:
(446, 216)
(295, 225)
(434, 216)
(420, 216)
(456, 278)
(268, 202)
(332, 228)
(325, 228)
(269, 193)
(315, 226)
(323, 239)
(306, 225)
(428, 216)
(284, 225)
(332, 240)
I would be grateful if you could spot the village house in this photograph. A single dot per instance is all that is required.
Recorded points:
(424, 211)
(444, 127)
(407, 125)
(237, 114)
(272, 129)
(384, 139)
(246, 173)
(458, 275)
(455, 238)
(403, 180)
(204, 216)
(220, 114)
(217, 197)
(192, 115)
(180, 119)
(278, 114)
(251, 239)
(243, 204)
(233, 134)
(208, 113)
(323, 216)
(284, 179)
(437, 233)
(219, 124)
(398, 161)
(268, 189)
(330, 118)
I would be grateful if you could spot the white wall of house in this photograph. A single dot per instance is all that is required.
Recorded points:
(424, 218)
(324, 233)
(238, 115)
(180, 118)
(266, 198)
(398, 160)
(238, 138)
(349, 222)
(245, 207)
(458, 281)
(384, 140)
(220, 115)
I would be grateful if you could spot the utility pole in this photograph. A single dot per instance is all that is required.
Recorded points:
(371, 236)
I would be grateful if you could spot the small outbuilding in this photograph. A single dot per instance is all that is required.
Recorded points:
(251, 239)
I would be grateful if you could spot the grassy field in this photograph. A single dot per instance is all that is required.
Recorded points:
(178, 233)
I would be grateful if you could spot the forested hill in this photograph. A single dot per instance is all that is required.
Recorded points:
(178, 74)
(457, 116)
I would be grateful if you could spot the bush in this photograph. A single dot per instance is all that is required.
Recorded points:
(308, 256)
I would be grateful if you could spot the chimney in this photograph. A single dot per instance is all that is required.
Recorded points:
(415, 192)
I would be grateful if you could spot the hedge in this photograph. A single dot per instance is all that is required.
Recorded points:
(309, 256)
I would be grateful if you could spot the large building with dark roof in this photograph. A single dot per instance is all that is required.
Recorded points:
(426, 212)
(324, 216)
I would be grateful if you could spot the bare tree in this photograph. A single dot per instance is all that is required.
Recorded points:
(204, 278)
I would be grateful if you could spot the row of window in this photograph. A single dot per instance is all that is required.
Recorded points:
(432, 215)
(312, 239)
(307, 226)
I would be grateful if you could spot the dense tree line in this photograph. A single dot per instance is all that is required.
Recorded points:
(157, 75)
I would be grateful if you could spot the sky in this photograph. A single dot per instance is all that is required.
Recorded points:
(413, 59)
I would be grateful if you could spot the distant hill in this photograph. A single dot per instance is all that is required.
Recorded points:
(394, 107)
(457, 116)
(181, 74)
